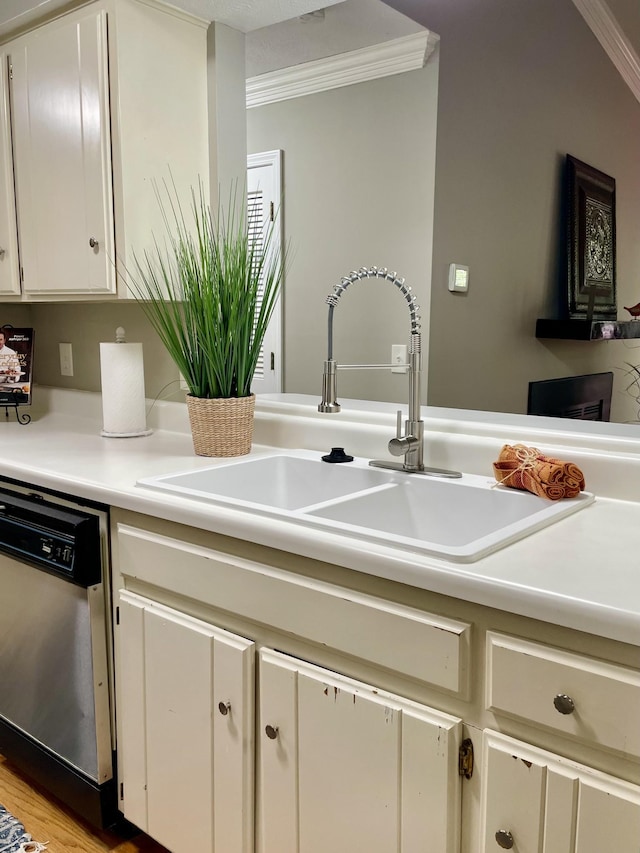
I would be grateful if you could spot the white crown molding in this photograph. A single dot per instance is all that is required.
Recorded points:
(610, 35)
(356, 66)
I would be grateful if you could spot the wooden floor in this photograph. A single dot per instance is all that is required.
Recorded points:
(48, 820)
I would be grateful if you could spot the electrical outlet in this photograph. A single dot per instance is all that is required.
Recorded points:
(399, 356)
(66, 359)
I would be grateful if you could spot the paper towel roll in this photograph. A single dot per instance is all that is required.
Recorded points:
(123, 399)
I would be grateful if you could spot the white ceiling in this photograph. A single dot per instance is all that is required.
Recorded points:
(246, 15)
(346, 25)
(278, 35)
(242, 15)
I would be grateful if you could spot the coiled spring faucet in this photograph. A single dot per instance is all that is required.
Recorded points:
(410, 443)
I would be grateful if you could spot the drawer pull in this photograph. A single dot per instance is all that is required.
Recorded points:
(564, 704)
(224, 708)
(271, 732)
(504, 839)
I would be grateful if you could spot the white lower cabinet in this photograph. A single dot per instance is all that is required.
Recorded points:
(228, 746)
(340, 764)
(186, 711)
(537, 802)
(343, 766)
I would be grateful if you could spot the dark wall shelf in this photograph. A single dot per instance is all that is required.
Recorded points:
(588, 330)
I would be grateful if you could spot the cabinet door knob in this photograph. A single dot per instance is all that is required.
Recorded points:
(271, 732)
(3, 252)
(564, 704)
(94, 243)
(504, 839)
(224, 708)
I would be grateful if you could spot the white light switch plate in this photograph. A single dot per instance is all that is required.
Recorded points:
(66, 359)
(458, 278)
(399, 356)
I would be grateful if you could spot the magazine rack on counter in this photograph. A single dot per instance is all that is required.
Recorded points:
(22, 417)
(16, 358)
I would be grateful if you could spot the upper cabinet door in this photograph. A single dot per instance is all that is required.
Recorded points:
(9, 269)
(62, 156)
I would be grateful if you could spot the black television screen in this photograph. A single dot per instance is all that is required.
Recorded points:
(586, 397)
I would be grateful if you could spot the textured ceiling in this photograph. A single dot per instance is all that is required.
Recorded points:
(346, 26)
(278, 34)
(242, 15)
(245, 15)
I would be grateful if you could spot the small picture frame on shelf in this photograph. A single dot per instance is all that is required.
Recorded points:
(591, 241)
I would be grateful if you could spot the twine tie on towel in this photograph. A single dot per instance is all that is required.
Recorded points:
(527, 457)
(32, 847)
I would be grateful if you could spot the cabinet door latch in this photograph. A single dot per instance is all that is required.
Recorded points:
(465, 758)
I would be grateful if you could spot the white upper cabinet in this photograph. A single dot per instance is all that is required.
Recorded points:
(62, 156)
(9, 269)
(159, 117)
(107, 103)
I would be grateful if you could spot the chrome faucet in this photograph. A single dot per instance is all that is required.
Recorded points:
(410, 444)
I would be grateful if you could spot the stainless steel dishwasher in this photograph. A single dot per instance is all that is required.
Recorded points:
(56, 715)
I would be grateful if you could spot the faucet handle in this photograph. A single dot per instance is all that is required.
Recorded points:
(400, 445)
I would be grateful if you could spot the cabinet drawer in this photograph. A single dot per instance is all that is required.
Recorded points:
(403, 639)
(593, 701)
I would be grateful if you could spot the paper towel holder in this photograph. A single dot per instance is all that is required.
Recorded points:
(123, 417)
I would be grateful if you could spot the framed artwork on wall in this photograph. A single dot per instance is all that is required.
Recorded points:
(591, 242)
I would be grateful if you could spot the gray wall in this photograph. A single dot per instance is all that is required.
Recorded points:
(84, 326)
(353, 196)
(521, 85)
(358, 170)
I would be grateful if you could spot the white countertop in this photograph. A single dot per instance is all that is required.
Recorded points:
(581, 572)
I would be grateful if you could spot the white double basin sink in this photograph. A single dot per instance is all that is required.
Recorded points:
(458, 520)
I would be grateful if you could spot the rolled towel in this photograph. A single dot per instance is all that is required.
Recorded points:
(526, 468)
(572, 473)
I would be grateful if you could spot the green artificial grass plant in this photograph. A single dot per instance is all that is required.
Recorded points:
(209, 292)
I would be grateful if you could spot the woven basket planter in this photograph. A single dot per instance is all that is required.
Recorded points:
(223, 426)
